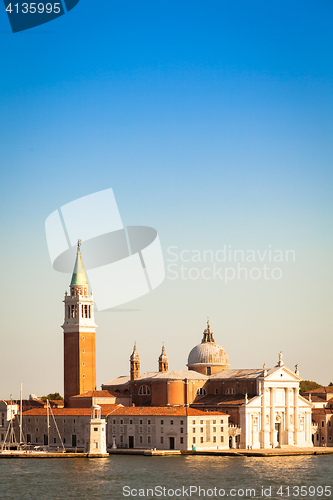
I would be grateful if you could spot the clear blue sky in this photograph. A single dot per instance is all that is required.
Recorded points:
(212, 122)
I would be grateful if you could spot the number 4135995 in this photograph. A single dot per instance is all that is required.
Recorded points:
(32, 8)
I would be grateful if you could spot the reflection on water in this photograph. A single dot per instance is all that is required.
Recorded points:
(53, 479)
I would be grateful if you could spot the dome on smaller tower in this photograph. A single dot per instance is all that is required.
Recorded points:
(135, 355)
(163, 356)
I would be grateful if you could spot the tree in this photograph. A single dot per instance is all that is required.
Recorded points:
(330, 384)
(308, 385)
(52, 396)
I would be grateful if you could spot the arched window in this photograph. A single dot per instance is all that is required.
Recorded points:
(201, 392)
(144, 390)
(230, 391)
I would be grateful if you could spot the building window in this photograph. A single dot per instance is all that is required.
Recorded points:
(114, 422)
(161, 430)
(193, 429)
(214, 421)
(193, 440)
(162, 439)
(329, 424)
(214, 429)
(222, 439)
(144, 390)
(221, 429)
(201, 440)
(148, 439)
(83, 364)
(182, 422)
(222, 421)
(181, 430)
(148, 429)
(131, 421)
(140, 439)
(28, 438)
(141, 422)
(209, 370)
(36, 429)
(74, 421)
(83, 376)
(322, 423)
(64, 430)
(161, 422)
(201, 421)
(322, 438)
(171, 422)
(214, 439)
(36, 440)
(181, 440)
(216, 390)
(121, 421)
(83, 351)
(83, 338)
(148, 422)
(64, 440)
(201, 392)
(201, 429)
(54, 440)
(140, 429)
(95, 429)
(121, 439)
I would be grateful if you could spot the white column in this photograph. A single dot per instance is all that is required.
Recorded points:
(272, 415)
(263, 418)
(295, 414)
(287, 406)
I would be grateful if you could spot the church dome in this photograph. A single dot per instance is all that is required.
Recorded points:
(208, 353)
(208, 357)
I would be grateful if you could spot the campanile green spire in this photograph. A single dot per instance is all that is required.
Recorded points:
(79, 275)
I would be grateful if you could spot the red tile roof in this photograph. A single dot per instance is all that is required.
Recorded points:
(164, 411)
(95, 394)
(327, 389)
(105, 410)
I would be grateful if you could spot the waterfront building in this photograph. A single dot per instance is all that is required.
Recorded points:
(8, 410)
(68, 428)
(264, 405)
(168, 427)
(322, 414)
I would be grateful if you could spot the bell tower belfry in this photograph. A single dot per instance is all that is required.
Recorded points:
(79, 334)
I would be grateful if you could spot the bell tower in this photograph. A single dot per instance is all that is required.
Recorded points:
(79, 334)
(134, 364)
(163, 361)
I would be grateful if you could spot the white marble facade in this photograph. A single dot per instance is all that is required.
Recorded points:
(277, 416)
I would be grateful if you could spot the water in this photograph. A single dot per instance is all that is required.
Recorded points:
(104, 479)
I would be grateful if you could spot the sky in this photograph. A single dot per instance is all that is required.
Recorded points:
(212, 123)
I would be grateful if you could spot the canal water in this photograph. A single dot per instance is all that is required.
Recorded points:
(120, 477)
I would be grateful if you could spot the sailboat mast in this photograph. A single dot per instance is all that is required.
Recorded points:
(21, 414)
(48, 424)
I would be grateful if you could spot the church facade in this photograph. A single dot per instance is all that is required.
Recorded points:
(264, 407)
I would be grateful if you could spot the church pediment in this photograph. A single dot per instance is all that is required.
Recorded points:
(282, 374)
